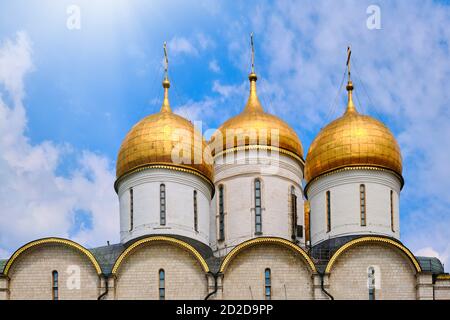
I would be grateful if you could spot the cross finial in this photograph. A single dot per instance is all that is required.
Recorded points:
(350, 105)
(253, 52)
(349, 53)
(253, 104)
(166, 62)
(166, 83)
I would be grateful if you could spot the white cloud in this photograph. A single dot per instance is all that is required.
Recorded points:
(181, 45)
(191, 46)
(405, 67)
(15, 61)
(227, 91)
(300, 59)
(36, 201)
(214, 66)
(4, 253)
(442, 255)
(195, 110)
(427, 252)
(226, 102)
(204, 41)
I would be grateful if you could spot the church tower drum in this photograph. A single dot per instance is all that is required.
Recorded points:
(258, 165)
(164, 177)
(354, 177)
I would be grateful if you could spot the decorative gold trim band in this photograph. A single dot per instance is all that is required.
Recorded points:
(443, 277)
(177, 242)
(356, 167)
(168, 166)
(372, 239)
(259, 147)
(264, 240)
(67, 242)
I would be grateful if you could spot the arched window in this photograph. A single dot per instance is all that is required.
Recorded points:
(162, 284)
(131, 209)
(221, 214)
(55, 295)
(371, 282)
(392, 211)
(328, 208)
(258, 215)
(162, 205)
(362, 203)
(195, 212)
(294, 212)
(267, 284)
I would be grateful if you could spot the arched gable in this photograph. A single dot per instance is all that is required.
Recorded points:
(66, 242)
(164, 239)
(383, 240)
(266, 240)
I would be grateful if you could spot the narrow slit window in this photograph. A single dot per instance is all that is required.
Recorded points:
(55, 292)
(371, 282)
(392, 211)
(131, 209)
(221, 214)
(258, 213)
(195, 212)
(162, 205)
(294, 213)
(328, 208)
(362, 204)
(267, 284)
(162, 284)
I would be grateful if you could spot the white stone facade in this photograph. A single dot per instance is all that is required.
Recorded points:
(179, 198)
(240, 269)
(279, 174)
(293, 275)
(138, 276)
(30, 277)
(198, 265)
(395, 276)
(345, 215)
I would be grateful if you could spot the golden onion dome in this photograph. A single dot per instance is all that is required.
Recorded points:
(254, 127)
(353, 140)
(164, 140)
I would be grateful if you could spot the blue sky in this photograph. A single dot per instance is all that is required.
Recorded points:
(68, 97)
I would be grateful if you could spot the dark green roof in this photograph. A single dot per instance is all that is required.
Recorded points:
(2, 265)
(107, 255)
(321, 253)
(431, 264)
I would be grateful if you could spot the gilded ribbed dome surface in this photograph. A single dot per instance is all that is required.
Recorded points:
(254, 126)
(353, 140)
(162, 139)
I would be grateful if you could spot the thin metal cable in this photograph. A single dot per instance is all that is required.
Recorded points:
(159, 93)
(179, 101)
(332, 108)
(359, 102)
(371, 104)
(263, 96)
(156, 74)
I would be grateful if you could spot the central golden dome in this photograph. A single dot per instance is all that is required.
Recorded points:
(255, 127)
(164, 140)
(353, 140)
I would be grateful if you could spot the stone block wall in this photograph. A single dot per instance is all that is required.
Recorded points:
(290, 274)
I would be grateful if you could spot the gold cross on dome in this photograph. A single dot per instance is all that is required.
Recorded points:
(166, 60)
(349, 53)
(253, 52)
